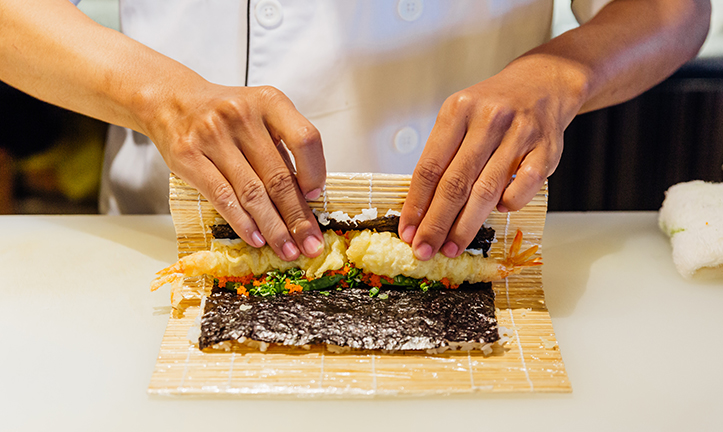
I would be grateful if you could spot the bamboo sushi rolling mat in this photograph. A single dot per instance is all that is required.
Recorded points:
(530, 362)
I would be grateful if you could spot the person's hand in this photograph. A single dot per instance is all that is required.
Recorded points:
(227, 143)
(510, 124)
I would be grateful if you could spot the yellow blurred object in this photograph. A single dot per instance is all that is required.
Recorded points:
(72, 165)
(6, 182)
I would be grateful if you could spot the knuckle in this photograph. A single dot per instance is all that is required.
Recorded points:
(536, 174)
(209, 127)
(499, 115)
(276, 235)
(222, 195)
(205, 130)
(459, 103)
(184, 156)
(455, 186)
(485, 191)
(270, 94)
(529, 131)
(307, 137)
(299, 225)
(252, 194)
(231, 110)
(436, 229)
(281, 183)
(185, 151)
(429, 171)
(512, 204)
(513, 200)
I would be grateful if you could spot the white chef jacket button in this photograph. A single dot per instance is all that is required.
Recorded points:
(410, 10)
(406, 140)
(269, 13)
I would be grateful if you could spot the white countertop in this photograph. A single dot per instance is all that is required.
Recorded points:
(81, 332)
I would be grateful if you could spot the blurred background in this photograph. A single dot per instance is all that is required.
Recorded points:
(620, 158)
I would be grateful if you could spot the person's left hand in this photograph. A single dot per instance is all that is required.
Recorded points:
(510, 124)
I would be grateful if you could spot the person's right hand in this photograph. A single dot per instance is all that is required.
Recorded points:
(226, 142)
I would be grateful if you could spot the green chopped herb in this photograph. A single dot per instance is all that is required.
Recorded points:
(323, 282)
(274, 283)
(384, 296)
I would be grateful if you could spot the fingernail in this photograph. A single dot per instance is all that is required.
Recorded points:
(450, 249)
(291, 252)
(423, 252)
(314, 194)
(501, 208)
(257, 239)
(408, 233)
(312, 245)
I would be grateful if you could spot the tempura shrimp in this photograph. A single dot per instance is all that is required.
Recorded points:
(229, 258)
(385, 254)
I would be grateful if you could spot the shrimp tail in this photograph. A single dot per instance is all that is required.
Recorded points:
(516, 261)
(195, 264)
(169, 274)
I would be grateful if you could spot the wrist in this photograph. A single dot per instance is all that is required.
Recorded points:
(161, 100)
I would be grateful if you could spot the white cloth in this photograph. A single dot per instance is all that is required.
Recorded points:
(371, 75)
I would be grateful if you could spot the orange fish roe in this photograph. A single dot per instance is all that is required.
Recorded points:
(241, 290)
(291, 287)
(244, 280)
(342, 271)
(372, 280)
(339, 232)
(448, 284)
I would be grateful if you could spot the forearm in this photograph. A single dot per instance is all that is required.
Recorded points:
(51, 50)
(627, 48)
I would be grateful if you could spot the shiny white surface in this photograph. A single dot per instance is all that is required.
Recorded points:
(81, 334)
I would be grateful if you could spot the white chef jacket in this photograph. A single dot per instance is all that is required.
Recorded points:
(371, 75)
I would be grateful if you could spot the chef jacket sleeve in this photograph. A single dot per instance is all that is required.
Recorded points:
(584, 10)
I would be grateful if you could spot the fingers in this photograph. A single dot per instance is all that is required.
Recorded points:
(443, 179)
(204, 176)
(484, 196)
(302, 139)
(447, 133)
(530, 177)
(470, 175)
(444, 211)
(267, 190)
(282, 122)
(254, 199)
(230, 154)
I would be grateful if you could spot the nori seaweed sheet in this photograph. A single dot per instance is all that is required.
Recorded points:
(405, 320)
(482, 240)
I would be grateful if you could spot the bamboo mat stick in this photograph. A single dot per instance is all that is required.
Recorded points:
(530, 361)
